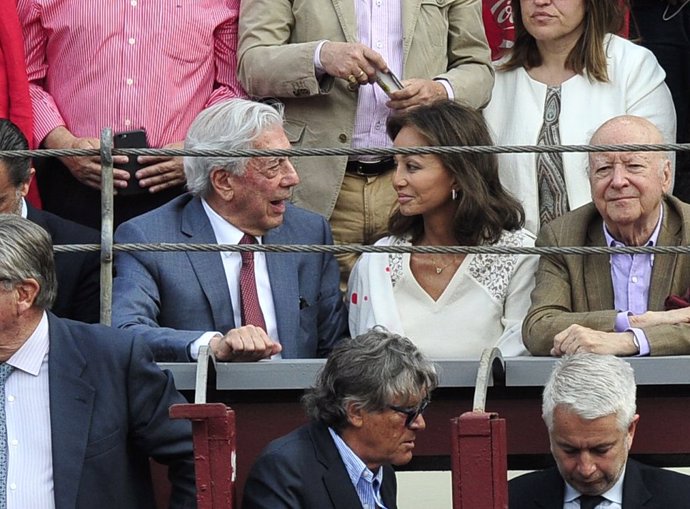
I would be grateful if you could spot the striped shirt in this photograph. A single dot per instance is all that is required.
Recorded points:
(366, 483)
(379, 26)
(128, 64)
(27, 412)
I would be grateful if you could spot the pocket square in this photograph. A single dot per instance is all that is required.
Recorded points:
(677, 301)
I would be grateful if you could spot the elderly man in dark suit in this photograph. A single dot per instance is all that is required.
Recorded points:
(589, 409)
(82, 406)
(244, 307)
(615, 304)
(366, 410)
(78, 273)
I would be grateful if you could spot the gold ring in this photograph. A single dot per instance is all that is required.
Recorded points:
(351, 78)
(361, 73)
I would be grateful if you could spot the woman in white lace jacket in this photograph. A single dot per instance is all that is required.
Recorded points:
(450, 305)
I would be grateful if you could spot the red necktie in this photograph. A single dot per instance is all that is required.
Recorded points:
(251, 310)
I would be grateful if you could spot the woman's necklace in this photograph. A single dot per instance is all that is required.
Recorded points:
(441, 268)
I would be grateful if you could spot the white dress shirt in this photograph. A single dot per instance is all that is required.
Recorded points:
(27, 412)
(226, 233)
(613, 497)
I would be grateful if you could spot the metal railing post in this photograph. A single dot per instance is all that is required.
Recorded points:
(106, 225)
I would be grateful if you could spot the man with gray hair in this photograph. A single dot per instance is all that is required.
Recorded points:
(617, 304)
(589, 410)
(366, 409)
(82, 406)
(245, 307)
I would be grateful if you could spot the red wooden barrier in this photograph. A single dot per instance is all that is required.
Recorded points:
(479, 461)
(213, 427)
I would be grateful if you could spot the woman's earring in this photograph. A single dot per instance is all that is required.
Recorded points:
(453, 194)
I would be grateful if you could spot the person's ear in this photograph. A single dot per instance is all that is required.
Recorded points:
(631, 430)
(355, 415)
(666, 176)
(27, 291)
(223, 183)
(24, 189)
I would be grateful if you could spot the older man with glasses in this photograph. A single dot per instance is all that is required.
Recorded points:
(366, 410)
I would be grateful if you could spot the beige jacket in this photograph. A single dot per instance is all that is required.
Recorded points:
(278, 38)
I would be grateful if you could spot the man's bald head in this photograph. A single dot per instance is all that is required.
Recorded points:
(626, 129)
(628, 187)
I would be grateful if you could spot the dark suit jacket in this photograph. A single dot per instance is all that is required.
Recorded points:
(109, 414)
(171, 298)
(644, 487)
(303, 470)
(78, 274)
(578, 289)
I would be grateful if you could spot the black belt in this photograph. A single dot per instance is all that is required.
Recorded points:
(366, 169)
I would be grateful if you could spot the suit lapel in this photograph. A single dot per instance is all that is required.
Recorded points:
(345, 10)
(283, 275)
(663, 271)
(597, 271)
(71, 406)
(336, 479)
(635, 493)
(208, 267)
(551, 490)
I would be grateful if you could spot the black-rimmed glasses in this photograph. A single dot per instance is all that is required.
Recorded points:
(411, 413)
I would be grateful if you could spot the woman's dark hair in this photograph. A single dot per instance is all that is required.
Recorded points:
(589, 55)
(484, 207)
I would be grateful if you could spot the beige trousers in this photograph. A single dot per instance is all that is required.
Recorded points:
(361, 215)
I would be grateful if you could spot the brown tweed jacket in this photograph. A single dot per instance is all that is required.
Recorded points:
(576, 289)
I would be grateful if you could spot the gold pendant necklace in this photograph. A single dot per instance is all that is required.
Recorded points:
(440, 269)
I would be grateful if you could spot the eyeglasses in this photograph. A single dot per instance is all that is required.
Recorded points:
(411, 413)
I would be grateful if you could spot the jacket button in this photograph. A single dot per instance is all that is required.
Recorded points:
(343, 138)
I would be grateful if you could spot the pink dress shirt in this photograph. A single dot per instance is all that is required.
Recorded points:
(128, 64)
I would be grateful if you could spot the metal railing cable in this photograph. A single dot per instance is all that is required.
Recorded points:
(307, 152)
(107, 248)
(362, 248)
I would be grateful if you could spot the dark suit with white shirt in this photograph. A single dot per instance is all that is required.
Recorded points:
(644, 487)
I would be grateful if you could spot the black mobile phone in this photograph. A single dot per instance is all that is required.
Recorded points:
(131, 139)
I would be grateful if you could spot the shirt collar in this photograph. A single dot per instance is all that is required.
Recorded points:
(30, 355)
(354, 465)
(615, 494)
(226, 233)
(611, 242)
(25, 209)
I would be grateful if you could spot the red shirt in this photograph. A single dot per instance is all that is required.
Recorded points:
(128, 64)
(15, 104)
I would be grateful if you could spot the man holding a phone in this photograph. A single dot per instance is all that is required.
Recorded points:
(127, 66)
(324, 74)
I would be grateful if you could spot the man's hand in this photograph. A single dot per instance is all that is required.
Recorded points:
(416, 93)
(652, 318)
(345, 59)
(244, 344)
(86, 169)
(161, 172)
(577, 338)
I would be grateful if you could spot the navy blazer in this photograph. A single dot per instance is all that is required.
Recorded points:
(172, 298)
(304, 470)
(109, 414)
(644, 487)
(78, 273)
